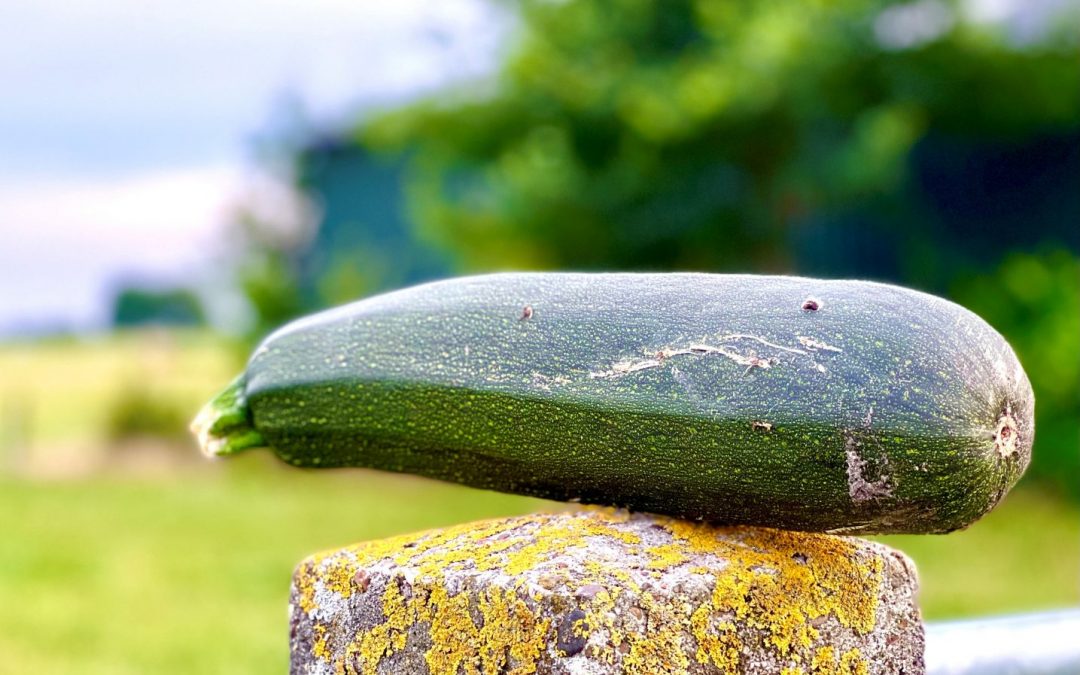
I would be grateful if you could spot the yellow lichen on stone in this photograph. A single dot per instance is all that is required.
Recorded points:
(552, 538)
(667, 555)
(385, 638)
(659, 649)
(600, 610)
(826, 663)
(780, 581)
(305, 585)
(770, 587)
(319, 647)
(510, 629)
(717, 644)
(853, 663)
(486, 545)
(455, 637)
(509, 639)
(603, 573)
(337, 576)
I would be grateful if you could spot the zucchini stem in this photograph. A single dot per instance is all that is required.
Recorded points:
(223, 426)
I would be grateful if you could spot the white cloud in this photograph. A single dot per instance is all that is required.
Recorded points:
(107, 105)
(65, 243)
(122, 84)
(154, 204)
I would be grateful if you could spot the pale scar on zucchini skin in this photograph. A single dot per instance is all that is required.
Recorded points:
(776, 401)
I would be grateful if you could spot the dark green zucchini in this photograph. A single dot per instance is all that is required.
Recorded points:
(838, 406)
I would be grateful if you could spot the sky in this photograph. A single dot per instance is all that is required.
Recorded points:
(127, 128)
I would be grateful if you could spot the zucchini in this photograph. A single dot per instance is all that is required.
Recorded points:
(838, 406)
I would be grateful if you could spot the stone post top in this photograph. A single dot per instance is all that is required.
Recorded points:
(606, 592)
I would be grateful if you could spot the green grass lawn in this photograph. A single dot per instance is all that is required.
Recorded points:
(176, 565)
(187, 574)
(191, 573)
(63, 401)
(1023, 556)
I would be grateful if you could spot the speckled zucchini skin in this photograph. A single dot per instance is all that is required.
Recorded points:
(803, 404)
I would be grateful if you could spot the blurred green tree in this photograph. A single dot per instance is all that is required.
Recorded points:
(896, 141)
(268, 277)
(899, 141)
(138, 306)
(1034, 300)
(721, 135)
(342, 234)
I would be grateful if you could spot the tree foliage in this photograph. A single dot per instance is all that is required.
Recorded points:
(1034, 300)
(797, 136)
(705, 135)
(137, 306)
(859, 138)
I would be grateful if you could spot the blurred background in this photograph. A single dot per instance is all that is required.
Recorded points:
(176, 180)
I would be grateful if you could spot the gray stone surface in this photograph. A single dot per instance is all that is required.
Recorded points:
(599, 592)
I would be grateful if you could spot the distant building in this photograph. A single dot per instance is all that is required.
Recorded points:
(137, 305)
(365, 242)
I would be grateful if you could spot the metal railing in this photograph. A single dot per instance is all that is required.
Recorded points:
(1031, 644)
